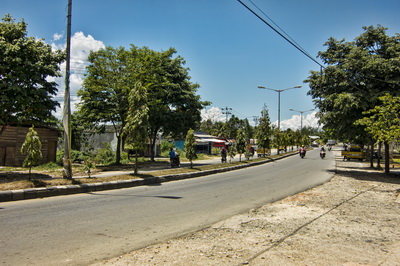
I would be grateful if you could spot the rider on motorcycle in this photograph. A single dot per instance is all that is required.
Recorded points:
(302, 151)
(223, 155)
(322, 152)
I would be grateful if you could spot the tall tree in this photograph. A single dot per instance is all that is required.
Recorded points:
(358, 72)
(264, 131)
(104, 95)
(32, 149)
(135, 130)
(190, 147)
(240, 142)
(26, 68)
(383, 123)
(173, 104)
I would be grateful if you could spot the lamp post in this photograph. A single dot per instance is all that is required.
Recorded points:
(301, 115)
(279, 100)
(279, 104)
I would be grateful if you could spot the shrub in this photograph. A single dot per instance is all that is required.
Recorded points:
(105, 155)
(166, 146)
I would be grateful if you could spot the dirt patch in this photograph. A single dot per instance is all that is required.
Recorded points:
(351, 220)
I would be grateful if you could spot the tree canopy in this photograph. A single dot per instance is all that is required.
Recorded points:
(173, 105)
(383, 123)
(26, 68)
(358, 72)
(264, 131)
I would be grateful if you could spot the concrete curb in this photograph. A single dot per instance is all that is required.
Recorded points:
(37, 193)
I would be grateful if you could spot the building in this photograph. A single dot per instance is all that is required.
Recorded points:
(12, 138)
(204, 143)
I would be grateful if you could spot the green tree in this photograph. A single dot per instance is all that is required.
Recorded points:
(248, 129)
(383, 123)
(173, 104)
(32, 149)
(264, 131)
(190, 147)
(231, 152)
(137, 122)
(240, 142)
(26, 68)
(104, 95)
(358, 72)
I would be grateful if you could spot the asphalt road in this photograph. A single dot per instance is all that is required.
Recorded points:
(82, 229)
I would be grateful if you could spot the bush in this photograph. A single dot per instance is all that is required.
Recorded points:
(75, 156)
(166, 146)
(105, 155)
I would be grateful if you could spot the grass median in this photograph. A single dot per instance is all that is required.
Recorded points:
(12, 178)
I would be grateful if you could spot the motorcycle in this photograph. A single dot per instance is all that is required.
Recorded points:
(175, 162)
(302, 153)
(322, 154)
(223, 158)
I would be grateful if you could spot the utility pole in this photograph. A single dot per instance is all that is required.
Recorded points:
(67, 173)
(226, 111)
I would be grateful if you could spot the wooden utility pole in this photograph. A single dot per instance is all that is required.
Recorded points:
(67, 173)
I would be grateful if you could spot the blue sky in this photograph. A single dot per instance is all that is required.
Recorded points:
(229, 51)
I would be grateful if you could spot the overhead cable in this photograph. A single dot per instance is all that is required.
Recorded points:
(283, 36)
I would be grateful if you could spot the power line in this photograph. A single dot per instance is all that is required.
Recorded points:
(280, 28)
(283, 36)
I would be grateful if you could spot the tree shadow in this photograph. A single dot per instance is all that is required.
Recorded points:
(363, 174)
(7, 177)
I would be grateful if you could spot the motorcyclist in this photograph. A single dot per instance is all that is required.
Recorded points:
(322, 152)
(174, 158)
(302, 151)
(223, 155)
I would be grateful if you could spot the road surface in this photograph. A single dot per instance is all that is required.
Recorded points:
(82, 229)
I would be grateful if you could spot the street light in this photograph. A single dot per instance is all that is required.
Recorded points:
(279, 103)
(279, 100)
(301, 115)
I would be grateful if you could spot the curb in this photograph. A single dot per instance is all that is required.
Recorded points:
(38, 193)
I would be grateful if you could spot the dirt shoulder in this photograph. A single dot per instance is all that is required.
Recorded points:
(354, 219)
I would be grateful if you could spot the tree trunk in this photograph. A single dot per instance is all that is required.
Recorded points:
(118, 151)
(379, 155)
(387, 167)
(371, 155)
(136, 162)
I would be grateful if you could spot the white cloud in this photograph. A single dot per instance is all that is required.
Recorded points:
(57, 36)
(214, 114)
(81, 46)
(294, 122)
